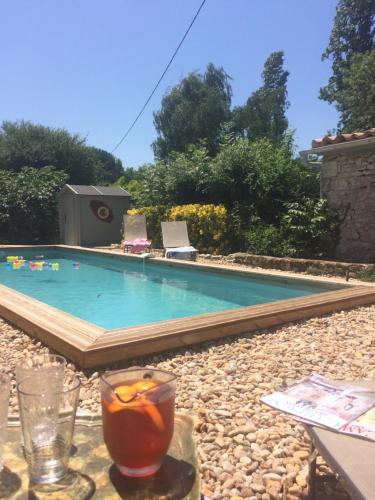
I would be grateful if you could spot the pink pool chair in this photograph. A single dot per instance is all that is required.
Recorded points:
(135, 234)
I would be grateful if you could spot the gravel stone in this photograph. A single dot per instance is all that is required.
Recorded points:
(244, 446)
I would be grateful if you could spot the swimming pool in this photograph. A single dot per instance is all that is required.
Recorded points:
(112, 307)
(119, 293)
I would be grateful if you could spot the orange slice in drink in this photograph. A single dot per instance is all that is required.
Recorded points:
(132, 397)
(149, 408)
(126, 393)
(144, 385)
(152, 411)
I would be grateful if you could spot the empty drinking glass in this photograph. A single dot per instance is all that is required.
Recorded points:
(45, 364)
(48, 409)
(4, 404)
(41, 367)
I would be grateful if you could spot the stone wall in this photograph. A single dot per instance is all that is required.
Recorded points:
(348, 270)
(348, 183)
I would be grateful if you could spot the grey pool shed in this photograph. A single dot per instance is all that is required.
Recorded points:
(91, 215)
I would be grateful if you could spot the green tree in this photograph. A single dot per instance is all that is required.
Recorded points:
(26, 144)
(271, 196)
(193, 110)
(28, 207)
(258, 177)
(107, 168)
(353, 33)
(187, 176)
(146, 184)
(127, 175)
(254, 178)
(264, 113)
(356, 101)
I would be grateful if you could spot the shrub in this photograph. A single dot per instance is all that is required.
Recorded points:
(310, 227)
(28, 205)
(257, 177)
(260, 177)
(266, 239)
(207, 225)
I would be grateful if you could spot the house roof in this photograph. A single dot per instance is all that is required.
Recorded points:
(337, 139)
(96, 190)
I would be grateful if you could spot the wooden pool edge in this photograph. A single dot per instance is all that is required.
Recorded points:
(63, 332)
(90, 346)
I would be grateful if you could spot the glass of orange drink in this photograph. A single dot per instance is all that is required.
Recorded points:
(138, 418)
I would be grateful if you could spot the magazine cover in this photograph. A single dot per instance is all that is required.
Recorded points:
(322, 401)
(364, 426)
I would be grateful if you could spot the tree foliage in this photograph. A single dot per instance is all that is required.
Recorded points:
(257, 177)
(310, 227)
(272, 198)
(353, 33)
(26, 144)
(356, 101)
(193, 110)
(263, 116)
(307, 229)
(106, 167)
(28, 211)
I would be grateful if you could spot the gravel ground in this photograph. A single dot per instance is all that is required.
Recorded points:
(247, 450)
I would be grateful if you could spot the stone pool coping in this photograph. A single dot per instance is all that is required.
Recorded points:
(89, 345)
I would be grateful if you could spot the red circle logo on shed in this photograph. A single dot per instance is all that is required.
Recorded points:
(101, 211)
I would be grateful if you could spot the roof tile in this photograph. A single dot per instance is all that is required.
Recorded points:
(336, 139)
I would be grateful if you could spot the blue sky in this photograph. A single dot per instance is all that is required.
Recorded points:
(89, 65)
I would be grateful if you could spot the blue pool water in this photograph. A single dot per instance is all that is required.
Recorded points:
(113, 293)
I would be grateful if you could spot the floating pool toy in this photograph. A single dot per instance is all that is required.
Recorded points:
(32, 265)
(75, 265)
(16, 264)
(13, 258)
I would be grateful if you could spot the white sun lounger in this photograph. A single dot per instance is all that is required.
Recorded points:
(135, 234)
(176, 240)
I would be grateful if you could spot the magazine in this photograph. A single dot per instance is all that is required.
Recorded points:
(364, 426)
(332, 404)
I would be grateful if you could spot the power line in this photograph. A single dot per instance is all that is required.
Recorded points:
(161, 78)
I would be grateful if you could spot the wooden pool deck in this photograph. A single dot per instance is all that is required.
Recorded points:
(91, 346)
